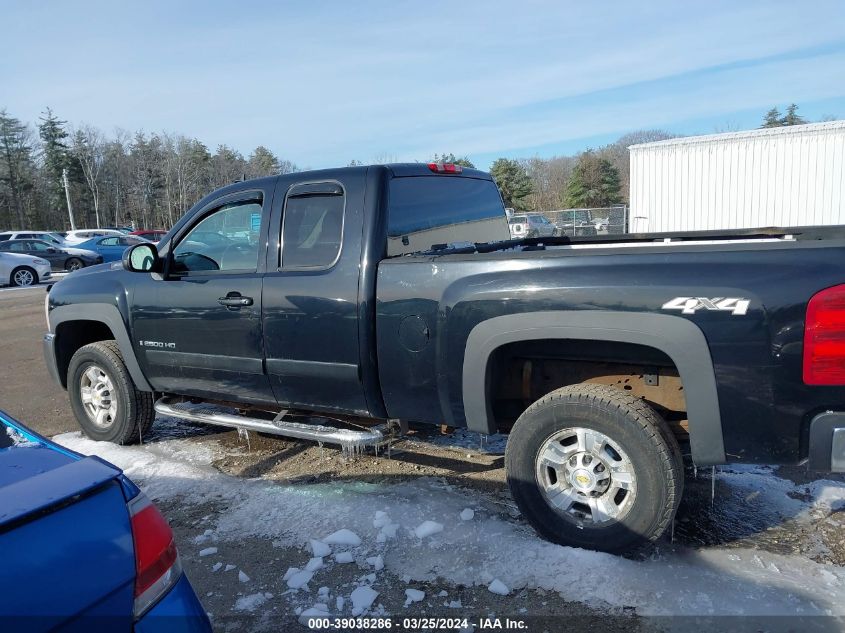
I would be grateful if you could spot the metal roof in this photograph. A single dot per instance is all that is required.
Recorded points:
(787, 130)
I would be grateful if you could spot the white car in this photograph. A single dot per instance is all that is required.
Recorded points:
(83, 235)
(47, 236)
(23, 270)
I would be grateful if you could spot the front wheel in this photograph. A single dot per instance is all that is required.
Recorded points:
(23, 276)
(591, 466)
(74, 263)
(103, 397)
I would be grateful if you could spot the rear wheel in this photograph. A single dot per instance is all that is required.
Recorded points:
(74, 263)
(103, 397)
(591, 466)
(23, 276)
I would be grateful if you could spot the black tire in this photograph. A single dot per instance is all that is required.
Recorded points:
(74, 263)
(633, 426)
(134, 414)
(17, 280)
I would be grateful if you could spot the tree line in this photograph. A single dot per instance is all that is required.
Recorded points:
(150, 180)
(142, 180)
(594, 178)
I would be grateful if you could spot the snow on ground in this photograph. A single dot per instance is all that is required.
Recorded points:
(490, 550)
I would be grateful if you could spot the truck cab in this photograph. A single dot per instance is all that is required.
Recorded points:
(268, 286)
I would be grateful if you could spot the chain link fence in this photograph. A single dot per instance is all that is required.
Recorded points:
(613, 220)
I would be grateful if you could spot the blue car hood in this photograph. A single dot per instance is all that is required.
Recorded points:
(36, 473)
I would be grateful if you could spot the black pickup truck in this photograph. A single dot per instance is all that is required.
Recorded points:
(370, 295)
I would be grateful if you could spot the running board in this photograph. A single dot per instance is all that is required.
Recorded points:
(348, 439)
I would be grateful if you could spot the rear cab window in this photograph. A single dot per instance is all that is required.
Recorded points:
(427, 210)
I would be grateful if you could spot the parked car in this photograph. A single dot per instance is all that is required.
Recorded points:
(531, 225)
(393, 292)
(153, 235)
(60, 258)
(83, 547)
(111, 247)
(17, 269)
(601, 224)
(83, 235)
(48, 236)
(126, 230)
(577, 223)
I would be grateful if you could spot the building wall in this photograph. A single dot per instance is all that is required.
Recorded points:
(789, 176)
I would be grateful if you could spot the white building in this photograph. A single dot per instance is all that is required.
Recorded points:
(786, 176)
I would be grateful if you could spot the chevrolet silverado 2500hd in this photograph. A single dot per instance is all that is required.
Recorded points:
(395, 292)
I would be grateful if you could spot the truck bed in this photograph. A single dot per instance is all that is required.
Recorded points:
(756, 356)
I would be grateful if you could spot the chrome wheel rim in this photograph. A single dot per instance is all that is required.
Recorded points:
(98, 397)
(24, 278)
(74, 265)
(586, 477)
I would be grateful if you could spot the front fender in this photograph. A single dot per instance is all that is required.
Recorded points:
(680, 339)
(110, 316)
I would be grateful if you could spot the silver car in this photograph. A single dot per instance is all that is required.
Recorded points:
(23, 270)
(531, 225)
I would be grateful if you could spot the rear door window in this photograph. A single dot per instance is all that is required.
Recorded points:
(312, 226)
(428, 210)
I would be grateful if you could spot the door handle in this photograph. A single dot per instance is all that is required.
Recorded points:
(234, 300)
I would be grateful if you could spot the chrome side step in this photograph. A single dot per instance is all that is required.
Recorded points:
(348, 439)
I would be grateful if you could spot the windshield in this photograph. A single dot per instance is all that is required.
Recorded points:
(50, 237)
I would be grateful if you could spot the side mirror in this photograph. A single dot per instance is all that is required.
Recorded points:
(141, 258)
(52, 250)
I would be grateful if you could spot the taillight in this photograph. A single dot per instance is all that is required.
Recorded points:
(824, 338)
(157, 566)
(445, 168)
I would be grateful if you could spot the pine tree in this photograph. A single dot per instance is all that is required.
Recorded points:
(15, 166)
(513, 182)
(791, 117)
(594, 183)
(772, 119)
(463, 161)
(56, 157)
(227, 166)
(262, 162)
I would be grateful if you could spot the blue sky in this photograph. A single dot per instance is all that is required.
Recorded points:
(321, 83)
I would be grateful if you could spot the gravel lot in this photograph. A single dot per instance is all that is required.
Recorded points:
(770, 542)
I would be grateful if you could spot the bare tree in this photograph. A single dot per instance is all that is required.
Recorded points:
(549, 177)
(88, 148)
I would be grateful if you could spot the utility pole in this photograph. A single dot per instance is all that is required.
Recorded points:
(69, 204)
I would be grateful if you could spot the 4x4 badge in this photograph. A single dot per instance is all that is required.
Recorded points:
(688, 305)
